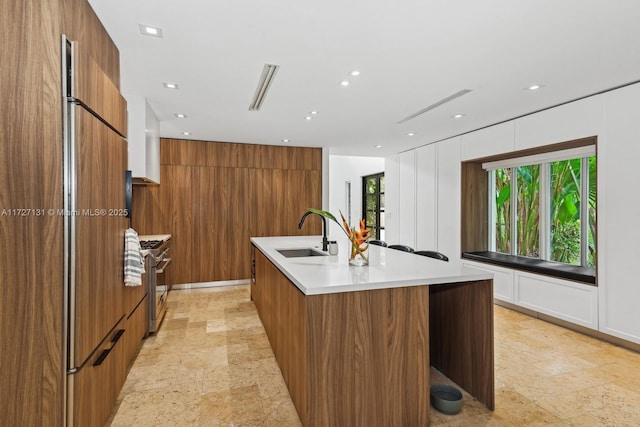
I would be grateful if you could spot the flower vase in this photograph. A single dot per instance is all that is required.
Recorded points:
(359, 255)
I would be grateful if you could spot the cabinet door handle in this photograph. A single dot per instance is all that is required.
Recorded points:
(102, 356)
(106, 351)
(117, 336)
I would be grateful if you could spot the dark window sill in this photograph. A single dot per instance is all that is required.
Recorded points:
(549, 268)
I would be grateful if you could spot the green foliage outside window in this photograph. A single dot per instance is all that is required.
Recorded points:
(564, 216)
(528, 206)
(373, 203)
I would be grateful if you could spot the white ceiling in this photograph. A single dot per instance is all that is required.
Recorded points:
(411, 54)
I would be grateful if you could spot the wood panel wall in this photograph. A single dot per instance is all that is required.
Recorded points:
(474, 207)
(214, 196)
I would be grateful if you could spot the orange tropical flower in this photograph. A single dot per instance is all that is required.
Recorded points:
(359, 238)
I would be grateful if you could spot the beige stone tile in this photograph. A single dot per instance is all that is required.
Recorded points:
(476, 421)
(613, 354)
(280, 412)
(238, 407)
(215, 361)
(609, 403)
(161, 375)
(562, 340)
(175, 405)
(561, 365)
(581, 421)
(617, 373)
(514, 409)
(551, 386)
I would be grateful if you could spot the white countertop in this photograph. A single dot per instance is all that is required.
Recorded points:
(388, 268)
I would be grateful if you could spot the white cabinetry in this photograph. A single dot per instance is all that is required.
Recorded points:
(503, 280)
(426, 197)
(576, 120)
(619, 215)
(449, 198)
(406, 199)
(497, 139)
(392, 190)
(562, 299)
(144, 141)
(613, 307)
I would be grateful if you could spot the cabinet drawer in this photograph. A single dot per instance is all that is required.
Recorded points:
(137, 328)
(97, 384)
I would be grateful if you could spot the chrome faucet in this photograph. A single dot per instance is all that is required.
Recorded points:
(325, 242)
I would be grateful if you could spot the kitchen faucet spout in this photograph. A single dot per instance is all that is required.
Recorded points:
(325, 242)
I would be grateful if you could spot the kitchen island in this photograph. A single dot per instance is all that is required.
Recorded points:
(355, 344)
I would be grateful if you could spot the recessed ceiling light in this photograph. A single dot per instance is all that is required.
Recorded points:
(314, 112)
(344, 83)
(378, 146)
(534, 87)
(181, 116)
(285, 140)
(355, 73)
(149, 30)
(308, 118)
(186, 133)
(410, 134)
(458, 116)
(171, 85)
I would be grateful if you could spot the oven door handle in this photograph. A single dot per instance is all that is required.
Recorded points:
(162, 265)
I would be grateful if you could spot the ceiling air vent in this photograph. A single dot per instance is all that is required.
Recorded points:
(437, 104)
(268, 73)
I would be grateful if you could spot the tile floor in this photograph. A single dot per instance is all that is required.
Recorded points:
(211, 365)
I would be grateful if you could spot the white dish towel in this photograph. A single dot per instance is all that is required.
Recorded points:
(133, 259)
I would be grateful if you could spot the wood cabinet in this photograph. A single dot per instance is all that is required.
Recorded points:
(98, 383)
(101, 162)
(137, 327)
(98, 318)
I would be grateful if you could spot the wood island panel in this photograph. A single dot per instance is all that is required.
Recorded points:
(368, 357)
(461, 319)
(353, 358)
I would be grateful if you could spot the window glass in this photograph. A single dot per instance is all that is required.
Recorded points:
(503, 210)
(565, 211)
(373, 204)
(565, 189)
(528, 209)
(593, 198)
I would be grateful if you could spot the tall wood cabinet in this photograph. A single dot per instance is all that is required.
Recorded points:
(33, 335)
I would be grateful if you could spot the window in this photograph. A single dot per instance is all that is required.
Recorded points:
(373, 204)
(544, 206)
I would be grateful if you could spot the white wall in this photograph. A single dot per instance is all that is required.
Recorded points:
(613, 307)
(341, 170)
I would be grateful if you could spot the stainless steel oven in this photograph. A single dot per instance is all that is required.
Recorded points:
(156, 263)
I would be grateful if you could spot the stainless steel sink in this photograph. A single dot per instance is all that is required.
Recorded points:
(299, 253)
